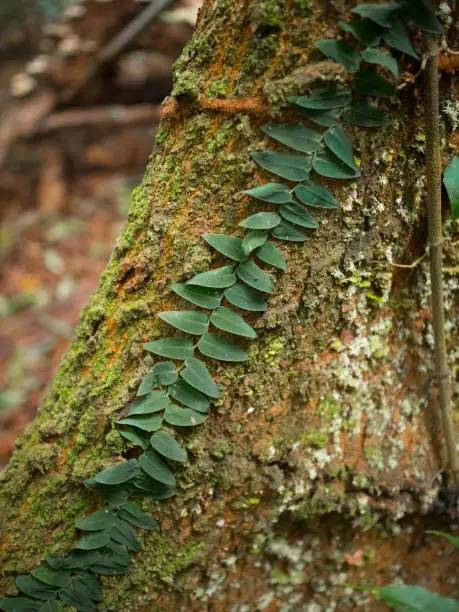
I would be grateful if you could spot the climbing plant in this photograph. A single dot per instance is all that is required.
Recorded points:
(179, 389)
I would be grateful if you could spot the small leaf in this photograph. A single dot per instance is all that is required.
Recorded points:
(217, 347)
(323, 118)
(340, 52)
(364, 114)
(189, 321)
(414, 599)
(134, 514)
(146, 486)
(242, 297)
(271, 192)
(113, 560)
(34, 588)
(325, 98)
(51, 577)
(299, 137)
(340, 144)
(366, 32)
(137, 437)
(146, 385)
(155, 467)
(86, 585)
(375, 56)
(184, 417)
(261, 221)
(382, 14)
(124, 534)
(230, 246)
(93, 540)
(397, 38)
(182, 392)
(451, 181)
(77, 559)
(154, 402)
(418, 13)
(165, 372)
(97, 521)
(166, 446)
(200, 296)
(454, 540)
(227, 320)
(329, 165)
(316, 195)
(198, 376)
(370, 83)
(253, 240)
(286, 165)
(117, 474)
(285, 231)
(254, 276)
(215, 279)
(147, 422)
(174, 348)
(23, 604)
(271, 255)
(295, 213)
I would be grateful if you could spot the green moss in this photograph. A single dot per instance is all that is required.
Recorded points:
(218, 88)
(41, 458)
(260, 52)
(315, 438)
(266, 14)
(301, 8)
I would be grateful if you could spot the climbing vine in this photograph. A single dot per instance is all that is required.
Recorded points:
(178, 390)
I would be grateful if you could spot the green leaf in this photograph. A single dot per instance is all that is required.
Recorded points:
(340, 52)
(154, 402)
(340, 144)
(184, 417)
(145, 422)
(24, 604)
(397, 38)
(146, 385)
(414, 599)
(113, 561)
(329, 165)
(35, 588)
(102, 519)
(217, 347)
(253, 240)
(124, 534)
(155, 467)
(325, 98)
(71, 598)
(242, 297)
(117, 474)
(254, 276)
(165, 372)
(189, 321)
(198, 376)
(261, 221)
(230, 246)
(418, 13)
(369, 83)
(454, 540)
(366, 32)
(271, 192)
(134, 514)
(200, 296)
(168, 447)
(139, 438)
(375, 56)
(182, 392)
(227, 320)
(364, 114)
(314, 194)
(286, 165)
(451, 181)
(146, 486)
(271, 255)
(299, 137)
(382, 14)
(93, 540)
(323, 118)
(77, 559)
(52, 577)
(174, 348)
(215, 279)
(86, 585)
(295, 213)
(285, 231)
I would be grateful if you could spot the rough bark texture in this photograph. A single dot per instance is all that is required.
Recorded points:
(326, 443)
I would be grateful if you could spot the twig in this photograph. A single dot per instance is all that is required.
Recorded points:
(411, 265)
(434, 172)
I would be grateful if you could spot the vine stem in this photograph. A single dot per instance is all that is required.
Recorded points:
(434, 173)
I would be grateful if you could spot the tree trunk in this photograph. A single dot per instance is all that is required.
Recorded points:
(318, 468)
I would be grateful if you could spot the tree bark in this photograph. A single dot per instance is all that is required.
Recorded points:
(319, 467)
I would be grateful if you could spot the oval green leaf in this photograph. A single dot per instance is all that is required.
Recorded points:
(147, 422)
(196, 374)
(34, 588)
(261, 221)
(117, 474)
(92, 541)
(253, 240)
(165, 372)
(285, 231)
(51, 577)
(340, 144)
(189, 321)
(323, 118)
(329, 165)
(185, 394)
(241, 296)
(421, 16)
(174, 348)
(295, 213)
(154, 402)
(200, 296)
(168, 447)
(365, 31)
(184, 417)
(217, 347)
(325, 98)
(137, 437)
(382, 14)
(134, 514)
(369, 83)
(227, 320)
(214, 279)
(254, 276)
(271, 192)
(340, 52)
(314, 194)
(155, 467)
(299, 137)
(269, 254)
(375, 56)
(286, 165)
(97, 521)
(397, 38)
(230, 246)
